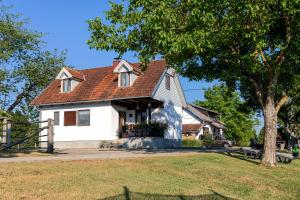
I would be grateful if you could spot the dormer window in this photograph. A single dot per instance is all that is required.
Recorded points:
(127, 73)
(69, 79)
(67, 85)
(125, 79)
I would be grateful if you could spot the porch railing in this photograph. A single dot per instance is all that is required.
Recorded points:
(153, 129)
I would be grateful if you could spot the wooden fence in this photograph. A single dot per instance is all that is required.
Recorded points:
(15, 135)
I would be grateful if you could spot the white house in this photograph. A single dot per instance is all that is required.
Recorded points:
(198, 120)
(93, 105)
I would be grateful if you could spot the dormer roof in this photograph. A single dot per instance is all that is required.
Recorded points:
(131, 67)
(70, 73)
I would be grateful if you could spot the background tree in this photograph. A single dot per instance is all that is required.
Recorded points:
(239, 121)
(289, 117)
(261, 136)
(24, 68)
(251, 45)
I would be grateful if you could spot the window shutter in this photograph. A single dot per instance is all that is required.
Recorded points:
(70, 118)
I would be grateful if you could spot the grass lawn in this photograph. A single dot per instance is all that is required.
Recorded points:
(199, 176)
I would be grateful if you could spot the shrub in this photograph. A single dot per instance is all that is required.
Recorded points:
(207, 140)
(191, 143)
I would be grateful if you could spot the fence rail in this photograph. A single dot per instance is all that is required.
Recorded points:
(15, 134)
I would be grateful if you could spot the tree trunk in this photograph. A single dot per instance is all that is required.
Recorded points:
(270, 122)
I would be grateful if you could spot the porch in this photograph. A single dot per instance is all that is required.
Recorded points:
(135, 117)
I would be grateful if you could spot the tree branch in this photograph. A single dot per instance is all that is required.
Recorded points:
(288, 39)
(281, 102)
(263, 57)
(258, 91)
(280, 58)
(19, 98)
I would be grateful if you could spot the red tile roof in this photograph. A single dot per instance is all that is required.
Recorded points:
(136, 68)
(102, 84)
(191, 127)
(75, 73)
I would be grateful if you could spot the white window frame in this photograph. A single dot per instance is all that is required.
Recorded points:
(120, 77)
(77, 117)
(58, 122)
(69, 86)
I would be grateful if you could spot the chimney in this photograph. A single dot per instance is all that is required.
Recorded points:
(116, 61)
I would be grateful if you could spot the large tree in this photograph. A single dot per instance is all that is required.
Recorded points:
(253, 45)
(240, 121)
(25, 69)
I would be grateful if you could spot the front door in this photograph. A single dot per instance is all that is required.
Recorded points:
(122, 120)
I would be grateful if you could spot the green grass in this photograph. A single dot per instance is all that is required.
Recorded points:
(191, 143)
(198, 176)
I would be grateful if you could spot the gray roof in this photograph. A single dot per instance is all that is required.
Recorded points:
(199, 114)
(206, 109)
(218, 125)
(193, 109)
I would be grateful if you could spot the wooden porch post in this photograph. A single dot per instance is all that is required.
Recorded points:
(135, 116)
(149, 113)
(50, 133)
(8, 133)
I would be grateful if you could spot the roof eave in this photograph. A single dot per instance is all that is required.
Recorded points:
(89, 101)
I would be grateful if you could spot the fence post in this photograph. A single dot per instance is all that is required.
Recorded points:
(4, 131)
(8, 133)
(50, 133)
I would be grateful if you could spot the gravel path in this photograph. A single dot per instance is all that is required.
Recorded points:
(94, 154)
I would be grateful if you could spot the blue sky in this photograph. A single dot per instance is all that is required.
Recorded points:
(64, 24)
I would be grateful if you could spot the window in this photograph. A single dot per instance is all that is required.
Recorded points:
(56, 118)
(70, 118)
(66, 85)
(168, 85)
(83, 117)
(125, 79)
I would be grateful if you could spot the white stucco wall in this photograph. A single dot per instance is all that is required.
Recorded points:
(190, 118)
(172, 111)
(101, 122)
(172, 115)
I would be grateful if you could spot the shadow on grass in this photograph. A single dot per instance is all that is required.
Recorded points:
(12, 153)
(128, 195)
(240, 157)
(177, 150)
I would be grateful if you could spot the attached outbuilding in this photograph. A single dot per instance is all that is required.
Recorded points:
(197, 120)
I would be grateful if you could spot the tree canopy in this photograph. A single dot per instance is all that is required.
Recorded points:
(251, 45)
(25, 69)
(240, 122)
